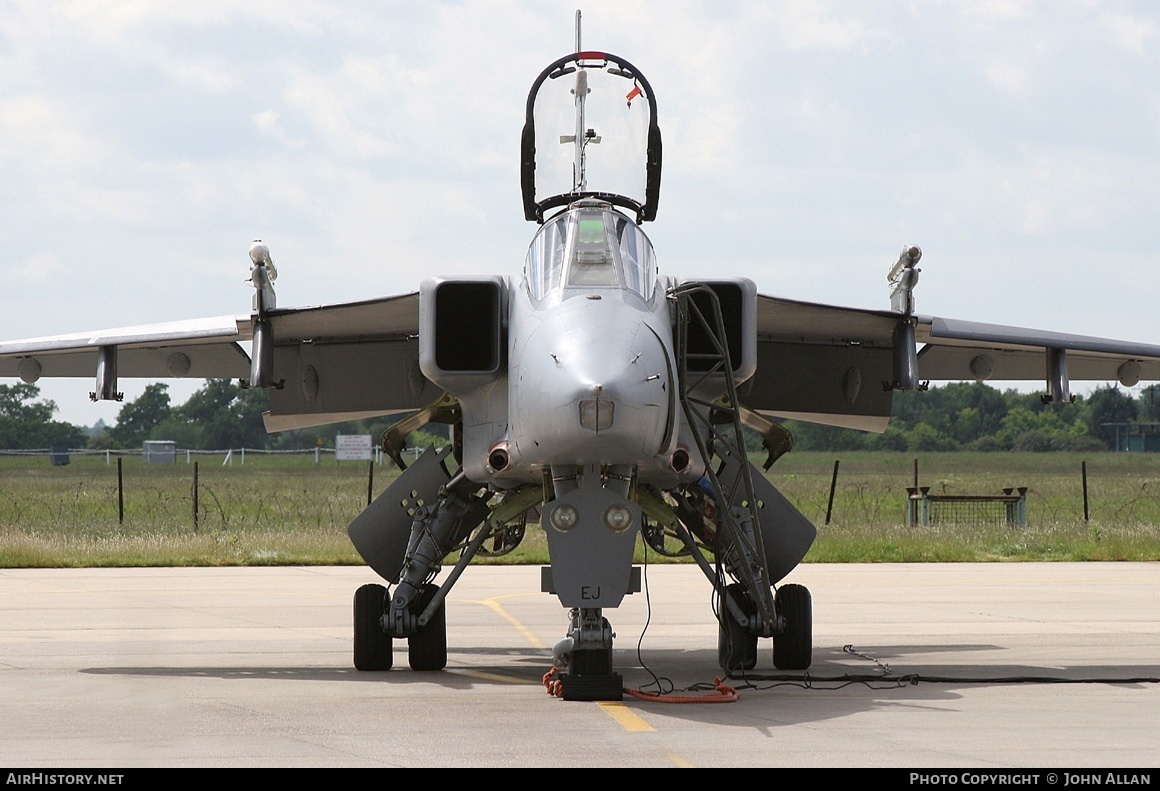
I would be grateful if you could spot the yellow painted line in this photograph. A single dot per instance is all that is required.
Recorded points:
(678, 761)
(494, 605)
(483, 676)
(627, 718)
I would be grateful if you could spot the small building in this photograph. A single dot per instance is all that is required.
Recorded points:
(159, 451)
(1136, 437)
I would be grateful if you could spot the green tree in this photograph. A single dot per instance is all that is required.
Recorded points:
(1149, 403)
(30, 425)
(894, 438)
(814, 436)
(1110, 405)
(925, 437)
(1046, 429)
(220, 415)
(138, 417)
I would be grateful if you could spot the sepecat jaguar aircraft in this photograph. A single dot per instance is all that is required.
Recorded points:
(590, 393)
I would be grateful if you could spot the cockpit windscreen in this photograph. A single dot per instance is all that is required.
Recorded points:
(589, 248)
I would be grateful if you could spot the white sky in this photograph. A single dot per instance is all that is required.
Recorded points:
(144, 144)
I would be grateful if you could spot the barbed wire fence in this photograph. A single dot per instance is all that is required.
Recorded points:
(188, 454)
(222, 489)
(313, 487)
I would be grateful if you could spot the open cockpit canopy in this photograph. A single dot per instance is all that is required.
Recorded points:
(591, 132)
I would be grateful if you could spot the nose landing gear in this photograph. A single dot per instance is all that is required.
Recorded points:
(585, 659)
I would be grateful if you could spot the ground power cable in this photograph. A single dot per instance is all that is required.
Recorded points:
(886, 680)
(666, 691)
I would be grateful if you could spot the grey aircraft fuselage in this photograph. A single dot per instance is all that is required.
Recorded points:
(586, 393)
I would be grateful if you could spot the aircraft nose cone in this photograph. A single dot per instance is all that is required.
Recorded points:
(593, 386)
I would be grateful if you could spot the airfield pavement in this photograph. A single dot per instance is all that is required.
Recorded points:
(250, 667)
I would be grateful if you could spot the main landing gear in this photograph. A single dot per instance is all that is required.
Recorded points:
(793, 648)
(405, 535)
(373, 646)
(737, 636)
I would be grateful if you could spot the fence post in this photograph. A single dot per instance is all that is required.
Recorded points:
(833, 484)
(1083, 473)
(120, 495)
(195, 497)
(370, 479)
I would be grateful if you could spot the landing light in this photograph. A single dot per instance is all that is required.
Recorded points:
(618, 518)
(564, 517)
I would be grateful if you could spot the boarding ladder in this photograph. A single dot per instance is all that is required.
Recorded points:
(703, 355)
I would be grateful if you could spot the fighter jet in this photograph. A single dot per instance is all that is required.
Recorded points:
(589, 392)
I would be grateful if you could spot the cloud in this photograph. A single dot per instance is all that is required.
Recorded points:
(814, 26)
(269, 125)
(1130, 32)
(37, 271)
(1008, 78)
(998, 10)
(43, 129)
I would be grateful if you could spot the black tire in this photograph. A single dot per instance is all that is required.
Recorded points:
(427, 648)
(372, 646)
(793, 649)
(592, 662)
(736, 645)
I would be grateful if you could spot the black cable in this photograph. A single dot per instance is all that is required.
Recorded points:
(886, 680)
(806, 681)
(664, 686)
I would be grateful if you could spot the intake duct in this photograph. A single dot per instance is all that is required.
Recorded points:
(738, 300)
(461, 327)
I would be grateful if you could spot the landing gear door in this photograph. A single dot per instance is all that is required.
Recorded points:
(785, 532)
(381, 532)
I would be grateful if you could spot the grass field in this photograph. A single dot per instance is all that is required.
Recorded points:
(290, 510)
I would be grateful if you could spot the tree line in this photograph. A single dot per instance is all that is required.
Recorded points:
(218, 416)
(957, 416)
(975, 416)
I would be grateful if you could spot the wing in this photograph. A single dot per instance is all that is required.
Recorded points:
(346, 362)
(330, 362)
(198, 348)
(839, 366)
(1016, 353)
